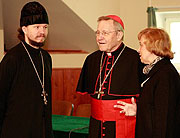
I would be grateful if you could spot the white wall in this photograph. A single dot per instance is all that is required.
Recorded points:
(165, 3)
(133, 13)
(90, 10)
(68, 60)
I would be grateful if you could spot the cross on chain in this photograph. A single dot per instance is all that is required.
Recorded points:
(101, 84)
(44, 95)
(99, 93)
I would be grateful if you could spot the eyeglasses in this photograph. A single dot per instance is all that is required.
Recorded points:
(105, 33)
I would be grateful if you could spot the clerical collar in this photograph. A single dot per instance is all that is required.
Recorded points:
(115, 52)
(109, 54)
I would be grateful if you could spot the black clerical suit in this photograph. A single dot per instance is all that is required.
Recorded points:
(23, 113)
(122, 83)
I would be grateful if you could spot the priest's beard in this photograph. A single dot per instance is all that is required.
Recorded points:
(34, 43)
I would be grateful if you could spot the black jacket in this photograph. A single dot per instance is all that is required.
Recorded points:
(158, 114)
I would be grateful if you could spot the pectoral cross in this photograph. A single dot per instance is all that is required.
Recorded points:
(99, 93)
(44, 94)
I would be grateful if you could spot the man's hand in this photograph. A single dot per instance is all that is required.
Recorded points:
(128, 109)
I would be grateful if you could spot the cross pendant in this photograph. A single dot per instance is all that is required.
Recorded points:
(99, 93)
(44, 94)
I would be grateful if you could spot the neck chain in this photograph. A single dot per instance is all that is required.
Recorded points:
(101, 68)
(44, 94)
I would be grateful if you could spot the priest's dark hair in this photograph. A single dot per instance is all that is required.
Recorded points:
(20, 34)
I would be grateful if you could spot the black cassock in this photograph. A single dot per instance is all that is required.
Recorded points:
(123, 82)
(22, 110)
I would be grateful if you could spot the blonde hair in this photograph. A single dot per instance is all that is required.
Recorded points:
(157, 41)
